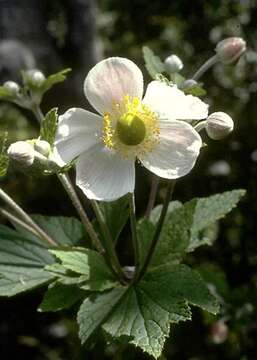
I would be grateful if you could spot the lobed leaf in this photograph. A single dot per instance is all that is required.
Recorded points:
(49, 126)
(153, 63)
(59, 297)
(116, 214)
(55, 79)
(22, 263)
(90, 264)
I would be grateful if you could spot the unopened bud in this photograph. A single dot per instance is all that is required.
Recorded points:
(173, 64)
(35, 77)
(189, 83)
(12, 87)
(230, 49)
(219, 125)
(219, 332)
(22, 153)
(43, 147)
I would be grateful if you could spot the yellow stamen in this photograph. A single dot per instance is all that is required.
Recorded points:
(131, 128)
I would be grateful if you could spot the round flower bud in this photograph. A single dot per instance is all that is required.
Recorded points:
(21, 152)
(219, 125)
(230, 49)
(173, 64)
(35, 77)
(12, 86)
(219, 332)
(43, 147)
(189, 83)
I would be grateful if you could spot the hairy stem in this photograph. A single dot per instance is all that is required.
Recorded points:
(15, 220)
(152, 196)
(27, 219)
(109, 243)
(206, 66)
(65, 181)
(158, 229)
(38, 113)
(133, 225)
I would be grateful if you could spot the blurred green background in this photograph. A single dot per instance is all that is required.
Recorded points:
(51, 35)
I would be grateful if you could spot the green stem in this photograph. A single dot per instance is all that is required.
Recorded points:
(133, 225)
(200, 126)
(152, 196)
(206, 66)
(27, 219)
(65, 181)
(156, 236)
(15, 220)
(109, 243)
(38, 113)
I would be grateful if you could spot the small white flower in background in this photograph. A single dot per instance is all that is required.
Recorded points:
(173, 64)
(128, 128)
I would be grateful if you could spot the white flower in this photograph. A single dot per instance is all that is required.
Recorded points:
(128, 128)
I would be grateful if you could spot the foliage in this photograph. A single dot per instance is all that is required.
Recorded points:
(140, 311)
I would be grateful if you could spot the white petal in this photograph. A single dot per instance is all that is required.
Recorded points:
(110, 80)
(177, 151)
(104, 175)
(77, 131)
(170, 102)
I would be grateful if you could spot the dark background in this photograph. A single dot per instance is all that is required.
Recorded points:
(51, 35)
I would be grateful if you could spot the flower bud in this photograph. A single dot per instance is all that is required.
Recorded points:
(189, 83)
(219, 332)
(219, 125)
(230, 49)
(22, 153)
(173, 64)
(35, 77)
(43, 147)
(12, 87)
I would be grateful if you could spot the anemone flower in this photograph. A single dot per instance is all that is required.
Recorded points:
(154, 129)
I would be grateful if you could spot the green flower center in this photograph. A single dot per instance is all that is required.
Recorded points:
(130, 129)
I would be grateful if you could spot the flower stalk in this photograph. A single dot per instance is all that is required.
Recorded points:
(158, 229)
(65, 181)
(133, 225)
(153, 193)
(108, 242)
(206, 66)
(27, 219)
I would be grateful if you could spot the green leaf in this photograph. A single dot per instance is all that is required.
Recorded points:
(4, 159)
(177, 79)
(153, 63)
(210, 209)
(49, 126)
(88, 263)
(22, 263)
(116, 214)
(59, 296)
(195, 90)
(191, 225)
(55, 79)
(6, 94)
(156, 212)
(95, 309)
(146, 311)
(175, 235)
(63, 230)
